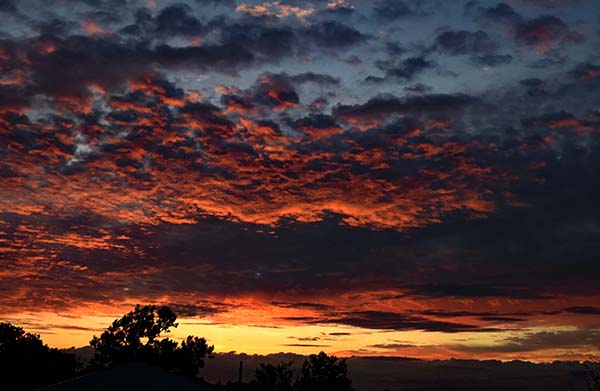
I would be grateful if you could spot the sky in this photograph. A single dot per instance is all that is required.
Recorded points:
(399, 178)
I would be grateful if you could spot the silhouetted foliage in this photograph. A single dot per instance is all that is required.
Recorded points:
(123, 340)
(136, 336)
(592, 377)
(190, 356)
(26, 363)
(321, 372)
(275, 377)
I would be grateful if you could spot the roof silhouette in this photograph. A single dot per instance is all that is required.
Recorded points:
(130, 377)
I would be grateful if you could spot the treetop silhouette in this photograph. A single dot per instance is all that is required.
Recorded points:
(137, 336)
(319, 372)
(26, 362)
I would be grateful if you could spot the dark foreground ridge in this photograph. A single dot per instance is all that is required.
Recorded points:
(129, 377)
(409, 374)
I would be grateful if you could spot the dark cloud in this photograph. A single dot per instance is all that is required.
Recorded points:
(394, 49)
(392, 9)
(176, 19)
(312, 306)
(502, 13)
(270, 90)
(317, 78)
(492, 59)
(332, 34)
(188, 310)
(549, 61)
(84, 61)
(587, 310)
(418, 88)
(471, 290)
(227, 3)
(541, 32)
(227, 57)
(560, 120)
(317, 126)
(550, 3)
(586, 71)
(8, 6)
(532, 82)
(486, 315)
(14, 98)
(403, 71)
(395, 321)
(501, 319)
(465, 42)
(267, 43)
(377, 107)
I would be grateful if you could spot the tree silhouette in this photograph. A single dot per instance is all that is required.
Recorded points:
(592, 376)
(275, 378)
(124, 338)
(191, 354)
(136, 336)
(26, 363)
(321, 372)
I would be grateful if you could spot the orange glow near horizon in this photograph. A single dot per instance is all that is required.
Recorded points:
(253, 326)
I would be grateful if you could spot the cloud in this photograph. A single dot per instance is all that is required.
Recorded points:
(537, 341)
(333, 34)
(586, 71)
(376, 108)
(8, 6)
(465, 42)
(389, 9)
(394, 321)
(502, 14)
(587, 310)
(306, 345)
(470, 290)
(313, 306)
(189, 310)
(492, 60)
(542, 32)
(176, 19)
(418, 88)
(391, 346)
(560, 121)
(339, 7)
(405, 70)
(549, 3)
(275, 91)
(317, 126)
(317, 78)
(275, 9)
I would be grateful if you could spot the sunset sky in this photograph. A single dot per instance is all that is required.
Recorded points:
(405, 178)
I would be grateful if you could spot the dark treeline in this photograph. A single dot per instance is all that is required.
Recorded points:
(319, 372)
(26, 363)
